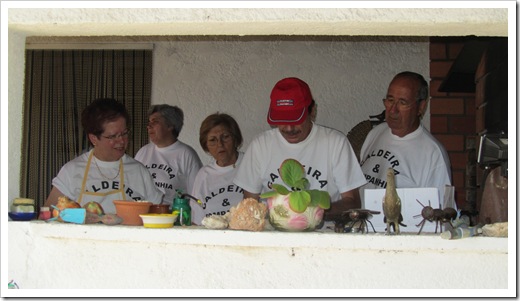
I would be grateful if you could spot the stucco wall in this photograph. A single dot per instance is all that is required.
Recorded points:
(268, 18)
(348, 79)
(162, 262)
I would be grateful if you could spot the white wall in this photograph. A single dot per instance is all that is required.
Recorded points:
(16, 66)
(348, 79)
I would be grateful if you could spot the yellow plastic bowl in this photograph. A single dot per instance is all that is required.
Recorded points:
(158, 220)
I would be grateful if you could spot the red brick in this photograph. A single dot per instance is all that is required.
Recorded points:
(460, 197)
(438, 124)
(460, 94)
(457, 178)
(480, 119)
(452, 142)
(472, 142)
(458, 161)
(454, 50)
(434, 88)
(462, 125)
(480, 93)
(470, 106)
(438, 51)
(440, 69)
(449, 106)
(453, 113)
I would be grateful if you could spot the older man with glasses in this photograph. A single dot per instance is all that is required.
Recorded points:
(402, 143)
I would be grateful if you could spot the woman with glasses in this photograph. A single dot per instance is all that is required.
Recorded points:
(105, 173)
(172, 163)
(219, 136)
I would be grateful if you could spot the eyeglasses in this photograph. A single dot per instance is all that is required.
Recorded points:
(113, 138)
(401, 103)
(224, 138)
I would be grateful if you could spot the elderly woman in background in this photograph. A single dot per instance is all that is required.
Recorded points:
(219, 136)
(104, 173)
(172, 163)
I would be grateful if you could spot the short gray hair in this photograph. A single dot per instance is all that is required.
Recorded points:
(173, 116)
(422, 90)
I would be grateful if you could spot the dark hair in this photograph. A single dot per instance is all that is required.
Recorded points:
(422, 89)
(173, 116)
(214, 120)
(101, 111)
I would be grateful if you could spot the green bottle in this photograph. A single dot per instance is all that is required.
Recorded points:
(182, 205)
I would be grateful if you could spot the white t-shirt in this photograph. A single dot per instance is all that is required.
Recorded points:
(329, 161)
(419, 160)
(138, 184)
(214, 187)
(172, 167)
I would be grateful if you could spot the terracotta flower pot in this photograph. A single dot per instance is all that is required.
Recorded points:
(129, 211)
(283, 218)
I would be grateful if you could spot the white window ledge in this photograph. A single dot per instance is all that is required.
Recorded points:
(67, 256)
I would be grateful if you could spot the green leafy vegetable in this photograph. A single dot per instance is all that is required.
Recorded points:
(299, 201)
(292, 174)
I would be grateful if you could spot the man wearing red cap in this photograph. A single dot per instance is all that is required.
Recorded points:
(329, 161)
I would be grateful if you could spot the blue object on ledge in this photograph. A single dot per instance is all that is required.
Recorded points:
(22, 216)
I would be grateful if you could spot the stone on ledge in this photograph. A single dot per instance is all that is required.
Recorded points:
(215, 221)
(249, 215)
(495, 230)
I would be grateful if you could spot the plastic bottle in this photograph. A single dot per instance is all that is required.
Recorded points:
(45, 214)
(182, 205)
(459, 233)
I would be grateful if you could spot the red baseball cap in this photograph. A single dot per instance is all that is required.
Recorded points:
(290, 100)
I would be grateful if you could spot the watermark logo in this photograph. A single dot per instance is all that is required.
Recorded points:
(12, 285)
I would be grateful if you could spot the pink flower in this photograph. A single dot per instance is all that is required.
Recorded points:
(298, 222)
(318, 214)
(270, 202)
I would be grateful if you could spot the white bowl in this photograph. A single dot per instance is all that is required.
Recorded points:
(158, 220)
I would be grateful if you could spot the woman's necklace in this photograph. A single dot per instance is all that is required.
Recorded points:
(103, 175)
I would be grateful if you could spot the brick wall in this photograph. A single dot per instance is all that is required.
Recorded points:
(453, 119)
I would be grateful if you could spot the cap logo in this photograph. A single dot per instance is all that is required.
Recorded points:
(284, 102)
